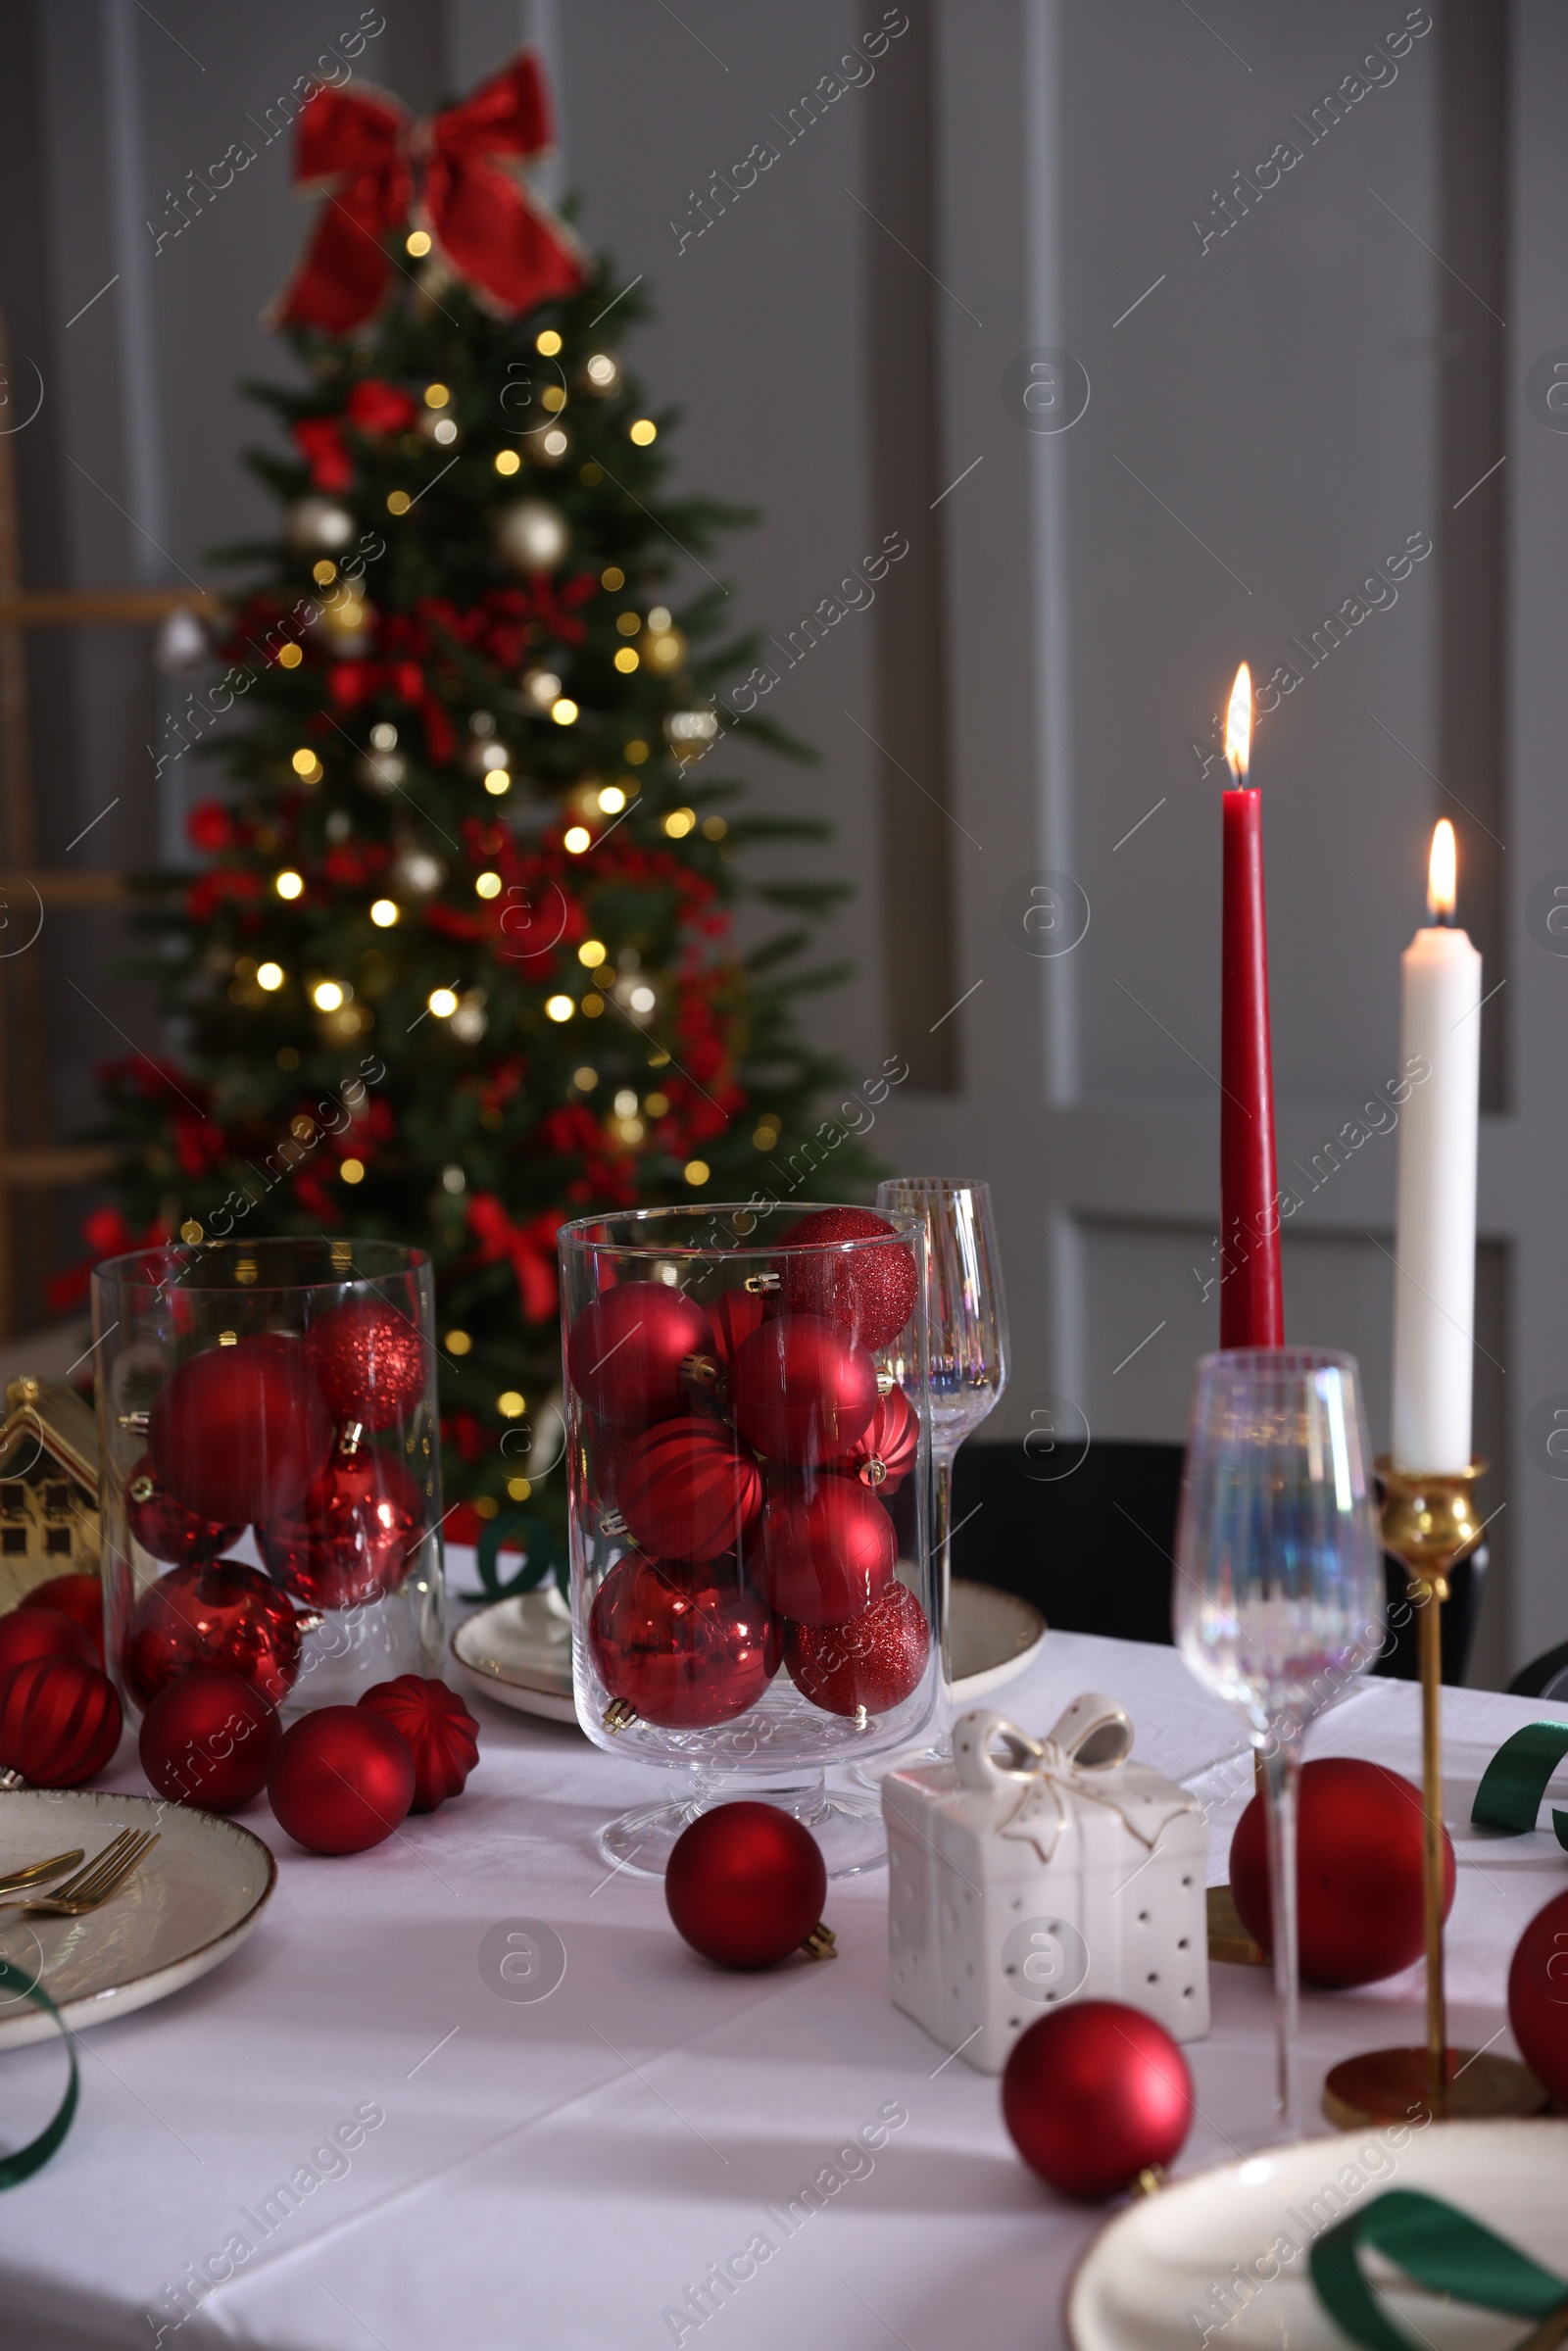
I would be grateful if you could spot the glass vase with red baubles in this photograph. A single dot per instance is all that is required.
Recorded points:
(747, 1414)
(271, 1483)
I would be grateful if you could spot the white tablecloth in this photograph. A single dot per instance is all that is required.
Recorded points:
(560, 2173)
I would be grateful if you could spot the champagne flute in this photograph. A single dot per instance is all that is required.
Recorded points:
(1279, 1592)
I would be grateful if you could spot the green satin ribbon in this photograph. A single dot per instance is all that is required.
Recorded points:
(1443, 2249)
(1515, 1781)
(544, 1554)
(13, 2169)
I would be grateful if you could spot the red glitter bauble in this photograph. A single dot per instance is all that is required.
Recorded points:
(800, 1391)
(351, 1537)
(732, 1318)
(207, 1739)
(80, 1597)
(886, 1450)
(442, 1734)
(60, 1722)
(1538, 1998)
(29, 1632)
(626, 1350)
(238, 1432)
(342, 1780)
(1358, 1873)
(872, 1292)
(215, 1612)
(165, 1527)
(1094, 2093)
(683, 1651)
(873, 1661)
(822, 1553)
(372, 1363)
(746, 1884)
(686, 1489)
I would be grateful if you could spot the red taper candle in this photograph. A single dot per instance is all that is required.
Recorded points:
(1251, 1302)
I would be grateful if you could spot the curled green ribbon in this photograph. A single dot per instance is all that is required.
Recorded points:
(1515, 1781)
(13, 2169)
(1443, 2249)
(544, 1554)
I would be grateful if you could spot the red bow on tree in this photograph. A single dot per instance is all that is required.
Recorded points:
(361, 152)
(532, 1247)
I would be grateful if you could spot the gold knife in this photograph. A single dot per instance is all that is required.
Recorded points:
(39, 1873)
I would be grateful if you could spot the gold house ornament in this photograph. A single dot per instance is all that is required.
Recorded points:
(48, 1487)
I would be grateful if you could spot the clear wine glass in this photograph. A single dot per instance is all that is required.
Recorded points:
(1279, 1582)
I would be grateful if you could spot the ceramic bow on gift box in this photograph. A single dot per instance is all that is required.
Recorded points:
(1062, 1872)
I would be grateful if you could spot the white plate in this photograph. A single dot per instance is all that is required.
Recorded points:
(194, 1899)
(1160, 2260)
(993, 1636)
(519, 1653)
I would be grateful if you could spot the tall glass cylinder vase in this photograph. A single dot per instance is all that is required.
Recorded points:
(272, 1480)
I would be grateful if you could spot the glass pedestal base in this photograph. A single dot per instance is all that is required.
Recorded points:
(846, 1824)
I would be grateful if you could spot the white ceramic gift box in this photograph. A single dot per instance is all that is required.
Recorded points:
(1064, 1873)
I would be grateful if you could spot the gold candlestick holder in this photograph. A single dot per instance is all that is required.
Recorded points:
(1428, 1522)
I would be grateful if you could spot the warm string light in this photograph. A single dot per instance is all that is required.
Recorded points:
(1239, 726)
(1442, 875)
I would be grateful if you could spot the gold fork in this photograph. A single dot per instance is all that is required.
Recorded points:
(94, 1884)
(39, 1873)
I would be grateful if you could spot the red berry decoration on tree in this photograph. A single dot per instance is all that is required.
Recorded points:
(165, 1527)
(208, 1740)
(800, 1390)
(342, 1780)
(887, 1447)
(78, 1597)
(677, 1648)
(442, 1734)
(351, 1537)
(60, 1722)
(238, 1432)
(1538, 1998)
(874, 1661)
(870, 1291)
(732, 1318)
(29, 1632)
(216, 1613)
(1358, 1873)
(1094, 2093)
(370, 1360)
(626, 1352)
(686, 1489)
(822, 1553)
(746, 1884)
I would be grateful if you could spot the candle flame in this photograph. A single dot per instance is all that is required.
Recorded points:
(1443, 873)
(1239, 725)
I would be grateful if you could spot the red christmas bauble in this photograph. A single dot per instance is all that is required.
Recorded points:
(873, 1661)
(732, 1318)
(372, 1361)
(1538, 1998)
(824, 1551)
(350, 1535)
(1358, 1875)
(870, 1291)
(1093, 2094)
(59, 1721)
(886, 1450)
(685, 1489)
(215, 1612)
(29, 1632)
(342, 1780)
(78, 1597)
(746, 1884)
(681, 1649)
(238, 1432)
(800, 1391)
(207, 1739)
(442, 1734)
(165, 1527)
(626, 1352)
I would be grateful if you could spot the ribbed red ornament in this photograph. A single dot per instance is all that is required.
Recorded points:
(746, 1884)
(350, 1539)
(208, 1740)
(887, 1447)
(686, 1489)
(372, 1361)
(626, 1350)
(1537, 1996)
(79, 1597)
(732, 1318)
(29, 1632)
(342, 1780)
(681, 1649)
(870, 1292)
(1094, 2093)
(822, 1551)
(215, 1612)
(442, 1734)
(60, 1722)
(238, 1432)
(800, 1391)
(874, 1660)
(164, 1528)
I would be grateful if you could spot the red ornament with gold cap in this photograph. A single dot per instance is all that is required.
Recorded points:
(681, 1646)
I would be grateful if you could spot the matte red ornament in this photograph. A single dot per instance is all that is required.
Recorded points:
(1538, 1998)
(1358, 1873)
(352, 1535)
(342, 1780)
(887, 1447)
(626, 1350)
(822, 1551)
(874, 1661)
(60, 1722)
(238, 1432)
(372, 1361)
(79, 1597)
(732, 1318)
(870, 1291)
(215, 1612)
(208, 1740)
(685, 1489)
(165, 1527)
(679, 1648)
(442, 1734)
(800, 1391)
(1094, 2093)
(746, 1886)
(29, 1632)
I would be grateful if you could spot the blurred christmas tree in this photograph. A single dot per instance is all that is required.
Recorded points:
(460, 962)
